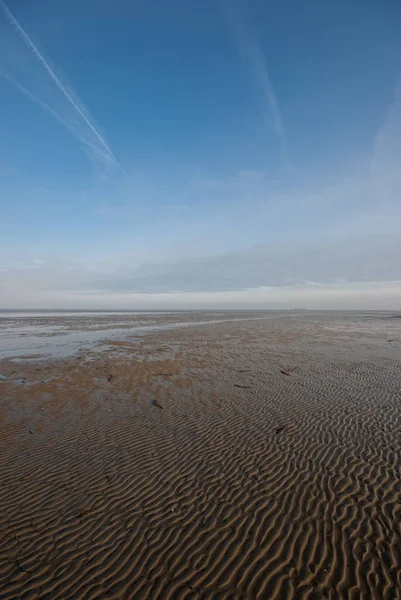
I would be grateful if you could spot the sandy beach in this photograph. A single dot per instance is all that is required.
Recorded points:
(201, 455)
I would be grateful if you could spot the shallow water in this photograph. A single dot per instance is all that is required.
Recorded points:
(65, 335)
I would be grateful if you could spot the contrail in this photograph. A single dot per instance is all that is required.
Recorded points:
(253, 54)
(387, 142)
(45, 107)
(72, 128)
(67, 94)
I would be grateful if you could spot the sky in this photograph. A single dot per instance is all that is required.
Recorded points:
(214, 154)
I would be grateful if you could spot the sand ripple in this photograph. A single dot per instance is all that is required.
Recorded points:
(269, 468)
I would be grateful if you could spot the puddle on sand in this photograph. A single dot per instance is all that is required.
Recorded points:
(24, 340)
(32, 338)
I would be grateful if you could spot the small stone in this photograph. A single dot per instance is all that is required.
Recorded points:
(154, 402)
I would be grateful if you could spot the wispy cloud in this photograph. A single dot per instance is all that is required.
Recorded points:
(76, 119)
(344, 260)
(252, 53)
(75, 289)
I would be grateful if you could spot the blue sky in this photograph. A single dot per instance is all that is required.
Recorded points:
(218, 153)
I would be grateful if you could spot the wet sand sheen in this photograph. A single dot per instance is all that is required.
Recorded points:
(255, 459)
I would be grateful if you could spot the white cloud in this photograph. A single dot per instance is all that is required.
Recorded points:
(286, 272)
(310, 244)
(350, 296)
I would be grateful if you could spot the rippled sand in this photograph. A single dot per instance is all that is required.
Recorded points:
(242, 459)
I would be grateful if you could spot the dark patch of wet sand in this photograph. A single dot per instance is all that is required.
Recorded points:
(272, 470)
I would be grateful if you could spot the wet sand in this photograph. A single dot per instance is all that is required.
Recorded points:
(239, 458)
